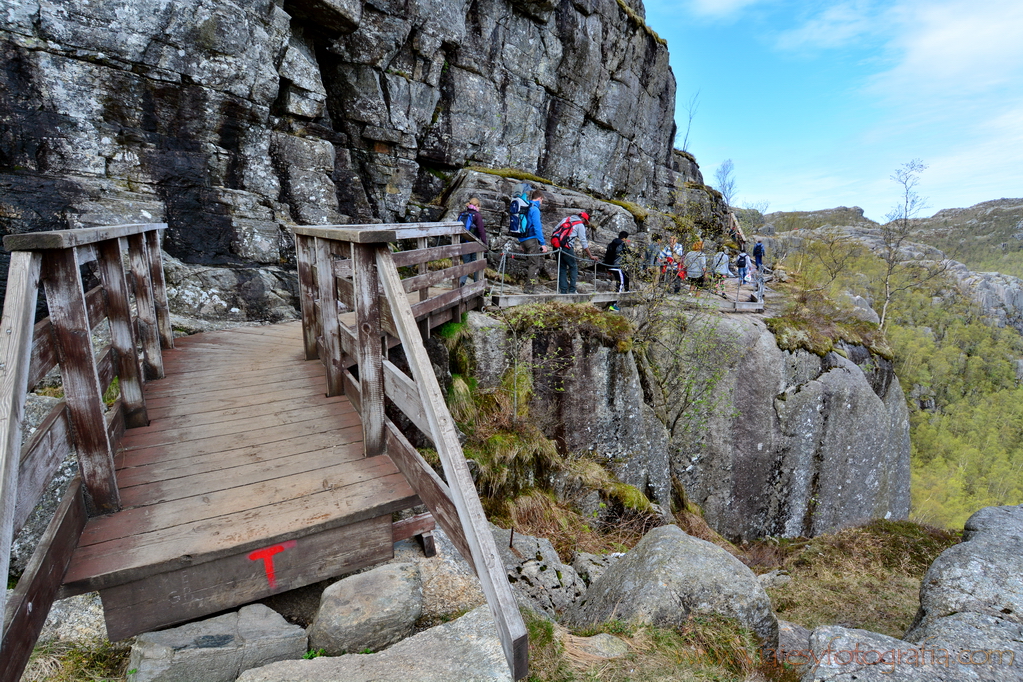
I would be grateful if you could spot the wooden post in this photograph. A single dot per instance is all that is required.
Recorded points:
(327, 290)
(122, 334)
(15, 354)
(371, 359)
(73, 337)
(489, 567)
(424, 324)
(304, 255)
(163, 322)
(152, 361)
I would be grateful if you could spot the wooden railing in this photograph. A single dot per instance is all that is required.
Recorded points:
(81, 420)
(355, 266)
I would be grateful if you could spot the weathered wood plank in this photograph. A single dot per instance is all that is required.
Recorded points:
(437, 276)
(39, 584)
(489, 567)
(177, 596)
(66, 239)
(370, 350)
(376, 234)
(220, 416)
(43, 453)
(430, 487)
(404, 393)
(266, 423)
(243, 382)
(111, 563)
(307, 293)
(163, 323)
(15, 351)
(44, 352)
(160, 408)
(338, 442)
(343, 268)
(451, 298)
(82, 388)
(414, 525)
(145, 305)
(425, 255)
(122, 333)
(327, 296)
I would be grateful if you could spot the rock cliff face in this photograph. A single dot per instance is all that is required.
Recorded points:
(789, 444)
(796, 444)
(231, 121)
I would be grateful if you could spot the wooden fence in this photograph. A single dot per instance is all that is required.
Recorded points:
(354, 267)
(137, 315)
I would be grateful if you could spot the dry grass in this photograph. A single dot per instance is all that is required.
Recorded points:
(96, 661)
(866, 577)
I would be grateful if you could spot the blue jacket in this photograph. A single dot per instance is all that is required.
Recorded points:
(534, 229)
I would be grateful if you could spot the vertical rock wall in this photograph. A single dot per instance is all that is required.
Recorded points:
(231, 121)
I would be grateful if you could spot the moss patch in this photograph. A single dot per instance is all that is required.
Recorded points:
(573, 318)
(637, 211)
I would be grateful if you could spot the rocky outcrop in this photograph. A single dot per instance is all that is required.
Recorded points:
(536, 573)
(231, 122)
(796, 444)
(669, 577)
(968, 627)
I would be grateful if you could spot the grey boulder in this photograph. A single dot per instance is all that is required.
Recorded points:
(370, 610)
(216, 649)
(670, 576)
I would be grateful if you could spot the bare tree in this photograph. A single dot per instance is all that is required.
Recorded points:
(725, 177)
(895, 233)
(691, 106)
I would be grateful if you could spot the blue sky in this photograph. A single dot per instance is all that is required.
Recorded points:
(817, 103)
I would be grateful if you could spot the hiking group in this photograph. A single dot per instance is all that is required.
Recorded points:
(670, 264)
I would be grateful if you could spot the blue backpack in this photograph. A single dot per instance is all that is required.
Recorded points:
(468, 222)
(517, 211)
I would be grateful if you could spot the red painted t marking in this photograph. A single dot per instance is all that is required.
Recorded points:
(267, 555)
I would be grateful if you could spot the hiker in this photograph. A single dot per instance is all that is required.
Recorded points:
(473, 222)
(613, 259)
(517, 211)
(568, 230)
(532, 241)
(742, 266)
(758, 255)
(696, 266)
(671, 258)
(719, 268)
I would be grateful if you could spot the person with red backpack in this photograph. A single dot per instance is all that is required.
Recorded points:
(563, 240)
(473, 222)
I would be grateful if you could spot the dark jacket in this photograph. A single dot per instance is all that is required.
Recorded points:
(615, 250)
(534, 228)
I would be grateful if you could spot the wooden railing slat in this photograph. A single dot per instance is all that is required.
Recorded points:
(425, 255)
(38, 587)
(378, 234)
(145, 304)
(43, 453)
(44, 352)
(489, 567)
(163, 323)
(304, 255)
(15, 351)
(327, 295)
(370, 349)
(71, 331)
(405, 395)
(418, 282)
(66, 239)
(122, 332)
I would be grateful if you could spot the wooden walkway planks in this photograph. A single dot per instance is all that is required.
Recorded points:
(243, 450)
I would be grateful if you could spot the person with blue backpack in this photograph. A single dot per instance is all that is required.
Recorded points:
(473, 223)
(532, 241)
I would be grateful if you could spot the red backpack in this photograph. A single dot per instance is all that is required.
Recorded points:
(560, 238)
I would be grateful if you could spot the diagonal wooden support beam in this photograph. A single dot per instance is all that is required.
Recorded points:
(489, 567)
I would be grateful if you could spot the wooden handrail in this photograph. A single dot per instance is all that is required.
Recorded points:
(81, 421)
(353, 267)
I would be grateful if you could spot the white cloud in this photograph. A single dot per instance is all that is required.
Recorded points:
(839, 25)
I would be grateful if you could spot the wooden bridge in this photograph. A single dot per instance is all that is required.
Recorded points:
(229, 467)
